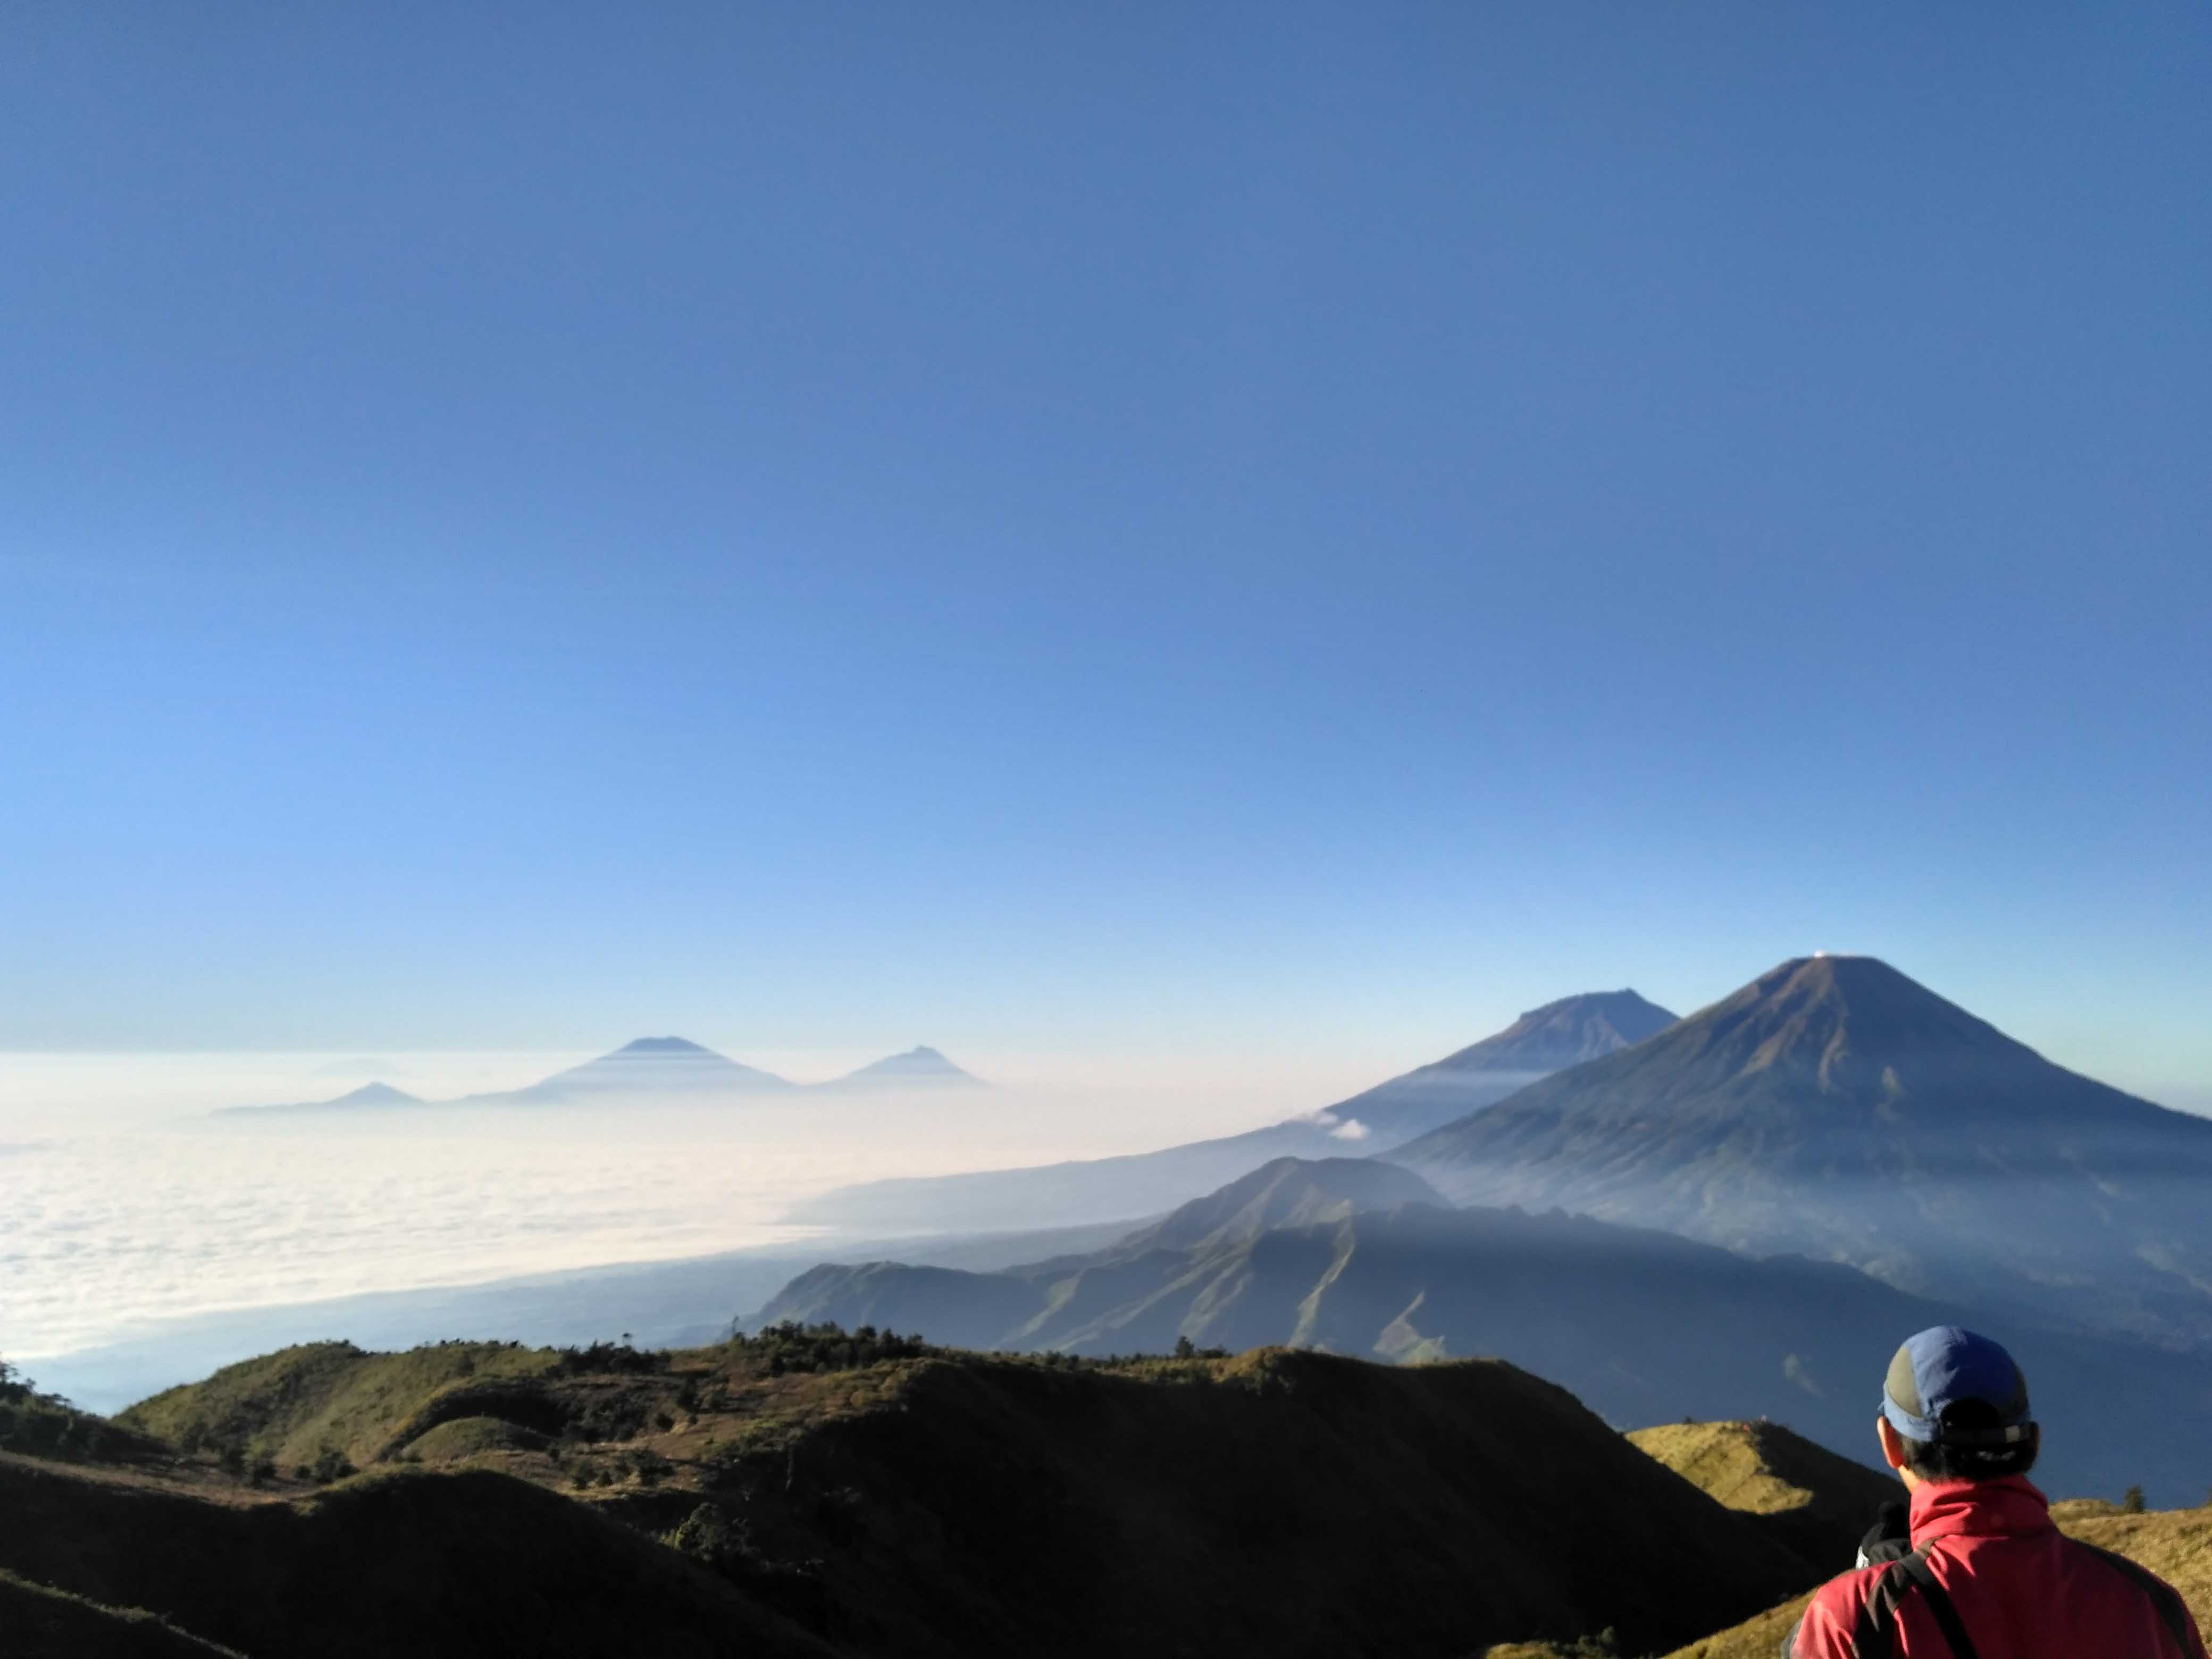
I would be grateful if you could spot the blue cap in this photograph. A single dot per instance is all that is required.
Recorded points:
(1947, 1365)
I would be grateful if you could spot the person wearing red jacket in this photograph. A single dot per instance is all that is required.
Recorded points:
(1985, 1574)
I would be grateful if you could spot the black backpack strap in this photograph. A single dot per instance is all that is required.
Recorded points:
(1874, 1636)
(1940, 1608)
(2172, 1609)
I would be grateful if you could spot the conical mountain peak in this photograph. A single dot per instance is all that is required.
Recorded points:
(1852, 1023)
(919, 1066)
(663, 1066)
(663, 1045)
(1835, 1107)
(1564, 1033)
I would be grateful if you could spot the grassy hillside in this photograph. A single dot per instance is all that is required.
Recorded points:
(403, 1561)
(880, 1498)
(293, 1405)
(43, 1622)
(1816, 1503)
(2175, 1544)
(37, 1424)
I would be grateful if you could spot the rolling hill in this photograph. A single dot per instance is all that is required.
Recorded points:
(1560, 1033)
(1835, 1108)
(816, 1492)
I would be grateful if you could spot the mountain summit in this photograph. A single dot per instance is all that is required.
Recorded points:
(1588, 1026)
(1573, 1030)
(920, 1067)
(1835, 1107)
(649, 1068)
(369, 1094)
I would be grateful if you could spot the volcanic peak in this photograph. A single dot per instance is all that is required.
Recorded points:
(666, 1045)
(1561, 1034)
(1846, 1023)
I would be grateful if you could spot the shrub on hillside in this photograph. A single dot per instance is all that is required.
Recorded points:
(774, 1350)
(618, 1357)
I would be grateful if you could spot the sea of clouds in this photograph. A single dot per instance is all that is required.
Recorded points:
(124, 1204)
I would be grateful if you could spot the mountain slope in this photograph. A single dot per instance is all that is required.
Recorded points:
(444, 1565)
(1645, 1327)
(1114, 1296)
(44, 1623)
(1145, 1183)
(1836, 1108)
(917, 1503)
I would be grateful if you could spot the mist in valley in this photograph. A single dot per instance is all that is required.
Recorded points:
(139, 1197)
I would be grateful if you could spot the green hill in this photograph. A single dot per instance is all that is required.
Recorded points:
(293, 1405)
(810, 1492)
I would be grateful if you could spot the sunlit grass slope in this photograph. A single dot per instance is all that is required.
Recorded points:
(1816, 1503)
(293, 1405)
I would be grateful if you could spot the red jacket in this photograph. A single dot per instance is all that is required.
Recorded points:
(1988, 1566)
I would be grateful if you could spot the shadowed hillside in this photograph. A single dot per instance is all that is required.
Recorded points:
(42, 1623)
(401, 1561)
(1833, 1107)
(889, 1500)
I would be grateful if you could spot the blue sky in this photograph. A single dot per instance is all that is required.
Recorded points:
(1170, 530)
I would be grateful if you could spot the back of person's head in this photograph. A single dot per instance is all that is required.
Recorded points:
(1958, 1404)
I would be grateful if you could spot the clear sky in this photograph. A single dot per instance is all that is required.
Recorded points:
(1123, 530)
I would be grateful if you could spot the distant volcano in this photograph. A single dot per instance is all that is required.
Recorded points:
(1575, 1029)
(917, 1069)
(368, 1096)
(650, 1067)
(1146, 1183)
(1834, 1107)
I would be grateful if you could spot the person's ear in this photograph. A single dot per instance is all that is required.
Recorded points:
(1892, 1445)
